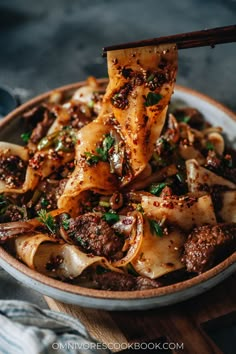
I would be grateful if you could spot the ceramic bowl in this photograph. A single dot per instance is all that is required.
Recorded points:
(216, 114)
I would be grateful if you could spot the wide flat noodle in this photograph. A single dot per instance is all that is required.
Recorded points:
(198, 176)
(31, 178)
(130, 70)
(159, 255)
(41, 252)
(134, 242)
(88, 177)
(72, 262)
(48, 163)
(228, 209)
(139, 124)
(186, 213)
(26, 247)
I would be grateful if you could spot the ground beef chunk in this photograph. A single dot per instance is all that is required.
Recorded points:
(123, 282)
(12, 170)
(95, 235)
(80, 115)
(208, 245)
(34, 115)
(11, 213)
(216, 192)
(195, 120)
(39, 119)
(115, 281)
(143, 283)
(42, 127)
(49, 192)
(212, 161)
(219, 166)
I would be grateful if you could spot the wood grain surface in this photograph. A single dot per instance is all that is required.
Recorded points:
(181, 323)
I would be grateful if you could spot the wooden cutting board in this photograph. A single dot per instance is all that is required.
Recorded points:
(182, 323)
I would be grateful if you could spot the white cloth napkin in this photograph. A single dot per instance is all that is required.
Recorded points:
(27, 329)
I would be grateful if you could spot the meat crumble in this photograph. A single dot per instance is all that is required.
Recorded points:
(95, 236)
(208, 245)
(12, 170)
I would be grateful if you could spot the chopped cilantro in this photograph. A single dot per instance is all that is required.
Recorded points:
(166, 144)
(102, 152)
(155, 228)
(102, 155)
(25, 137)
(65, 221)
(48, 220)
(185, 119)
(157, 188)
(107, 143)
(152, 99)
(81, 241)
(91, 158)
(111, 218)
(210, 146)
(44, 202)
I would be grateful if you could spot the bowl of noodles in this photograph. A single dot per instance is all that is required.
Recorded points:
(117, 194)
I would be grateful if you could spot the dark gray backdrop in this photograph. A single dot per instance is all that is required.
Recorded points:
(48, 43)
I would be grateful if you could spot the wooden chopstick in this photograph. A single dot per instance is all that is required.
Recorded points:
(207, 37)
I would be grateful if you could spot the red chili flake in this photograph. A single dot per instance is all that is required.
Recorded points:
(127, 221)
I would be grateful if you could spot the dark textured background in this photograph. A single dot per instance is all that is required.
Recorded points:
(48, 43)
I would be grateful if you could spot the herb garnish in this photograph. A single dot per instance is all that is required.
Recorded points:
(152, 99)
(155, 227)
(210, 146)
(107, 143)
(44, 202)
(48, 220)
(157, 188)
(26, 137)
(91, 159)
(81, 241)
(111, 218)
(102, 152)
(185, 119)
(65, 221)
(166, 145)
